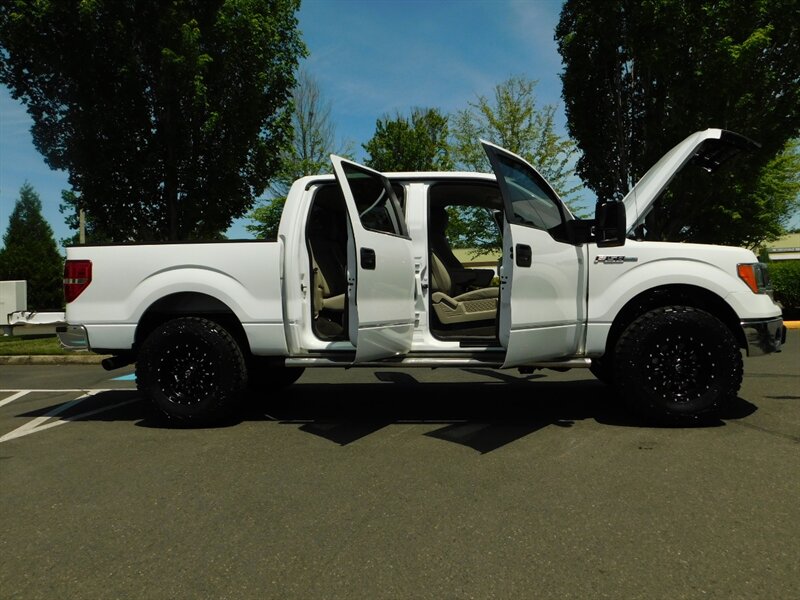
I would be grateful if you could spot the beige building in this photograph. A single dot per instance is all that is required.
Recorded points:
(785, 248)
(484, 260)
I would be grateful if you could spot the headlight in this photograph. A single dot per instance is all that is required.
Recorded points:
(756, 276)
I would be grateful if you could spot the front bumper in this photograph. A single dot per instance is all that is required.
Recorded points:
(764, 335)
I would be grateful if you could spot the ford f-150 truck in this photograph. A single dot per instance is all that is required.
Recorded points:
(361, 274)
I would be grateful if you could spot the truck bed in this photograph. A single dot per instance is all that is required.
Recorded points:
(129, 280)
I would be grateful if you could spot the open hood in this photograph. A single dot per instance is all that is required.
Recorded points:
(708, 149)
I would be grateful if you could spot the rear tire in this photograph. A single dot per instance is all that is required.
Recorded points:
(677, 363)
(192, 369)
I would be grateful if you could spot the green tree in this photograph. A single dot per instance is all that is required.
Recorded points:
(639, 76)
(30, 253)
(513, 120)
(773, 201)
(415, 143)
(165, 115)
(70, 207)
(421, 143)
(308, 153)
(785, 277)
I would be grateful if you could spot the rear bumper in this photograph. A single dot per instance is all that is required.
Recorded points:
(31, 322)
(73, 337)
(764, 335)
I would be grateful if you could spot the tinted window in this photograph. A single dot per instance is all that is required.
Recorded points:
(531, 204)
(377, 204)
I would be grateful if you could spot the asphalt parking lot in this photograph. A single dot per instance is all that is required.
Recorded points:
(394, 484)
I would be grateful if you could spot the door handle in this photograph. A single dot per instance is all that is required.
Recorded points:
(367, 259)
(524, 255)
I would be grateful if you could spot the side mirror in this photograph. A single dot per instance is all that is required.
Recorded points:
(609, 224)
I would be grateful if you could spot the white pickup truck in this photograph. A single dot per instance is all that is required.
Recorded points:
(362, 275)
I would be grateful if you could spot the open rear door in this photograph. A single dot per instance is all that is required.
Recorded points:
(380, 269)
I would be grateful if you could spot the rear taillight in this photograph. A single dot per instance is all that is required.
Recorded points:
(77, 277)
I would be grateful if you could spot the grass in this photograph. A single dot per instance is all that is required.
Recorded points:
(32, 345)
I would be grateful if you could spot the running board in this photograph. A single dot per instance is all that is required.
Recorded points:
(432, 362)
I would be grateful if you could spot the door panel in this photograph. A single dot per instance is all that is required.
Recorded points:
(380, 270)
(542, 306)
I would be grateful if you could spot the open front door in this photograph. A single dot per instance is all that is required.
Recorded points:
(543, 275)
(380, 269)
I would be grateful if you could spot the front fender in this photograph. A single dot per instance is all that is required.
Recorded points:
(611, 288)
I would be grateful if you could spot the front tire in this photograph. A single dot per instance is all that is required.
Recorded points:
(192, 369)
(677, 363)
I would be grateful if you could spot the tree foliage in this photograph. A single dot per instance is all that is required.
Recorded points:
(415, 143)
(513, 120)
(640, 76)
(312, 142)
(165, 114)
(775, 198)
(30, 253)
(421, 142)
(70, 207)
(266, 218)
(785, 277)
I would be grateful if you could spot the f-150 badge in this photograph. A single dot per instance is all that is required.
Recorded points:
(613, 260)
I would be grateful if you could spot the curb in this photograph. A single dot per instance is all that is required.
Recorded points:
(792, 324)
(53, 359)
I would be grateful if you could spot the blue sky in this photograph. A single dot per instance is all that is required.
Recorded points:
(370, 58)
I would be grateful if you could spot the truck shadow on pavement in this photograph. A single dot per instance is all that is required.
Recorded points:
(483, 415)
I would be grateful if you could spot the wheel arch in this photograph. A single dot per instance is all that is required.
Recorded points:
(190, 304)
(675, 294)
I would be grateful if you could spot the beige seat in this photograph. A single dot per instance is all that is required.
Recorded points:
(475, 305)
(328, 247)
(324, 296)
(461, 278)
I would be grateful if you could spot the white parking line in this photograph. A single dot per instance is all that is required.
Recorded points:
(13, 397)
(41, 391)
(40, 423)
(17, 394)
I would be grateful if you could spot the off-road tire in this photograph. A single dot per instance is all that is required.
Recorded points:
(677, 363)
(192, 369)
